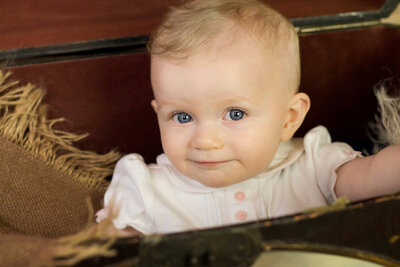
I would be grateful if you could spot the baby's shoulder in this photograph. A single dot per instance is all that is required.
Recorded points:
(318, 141)
(134, 166)
(322, 155)
(131, 162)
(316, 137)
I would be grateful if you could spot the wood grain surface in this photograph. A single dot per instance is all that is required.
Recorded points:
(26, 23)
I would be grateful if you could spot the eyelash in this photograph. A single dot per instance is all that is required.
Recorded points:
(172, 116)
(238, 109)
(177, 120)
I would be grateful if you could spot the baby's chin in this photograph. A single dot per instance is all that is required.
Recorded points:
(223, 175)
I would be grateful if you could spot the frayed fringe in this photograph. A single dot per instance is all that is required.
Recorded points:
(23, 121)
(94, 241)
(385, 130)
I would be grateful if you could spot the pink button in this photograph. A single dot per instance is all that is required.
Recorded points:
(240, 196)
(241, 215)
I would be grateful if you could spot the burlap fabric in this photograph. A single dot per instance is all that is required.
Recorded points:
(48, 188)
(24, 250)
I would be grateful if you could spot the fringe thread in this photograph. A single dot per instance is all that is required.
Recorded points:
(23, 121)
(386, 127)
(94, 241)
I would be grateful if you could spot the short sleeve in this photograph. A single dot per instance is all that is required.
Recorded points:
(325, 158)
(129, 195)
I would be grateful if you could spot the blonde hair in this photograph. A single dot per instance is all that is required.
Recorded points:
(193, 27)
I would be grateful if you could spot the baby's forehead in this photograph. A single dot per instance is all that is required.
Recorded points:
(228, 48)
(242, 65)
(235, 36)
(241, 42)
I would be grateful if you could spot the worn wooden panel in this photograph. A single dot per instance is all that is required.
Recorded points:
(367, 230)
(109, 97)
(339, 71)
(26, 23)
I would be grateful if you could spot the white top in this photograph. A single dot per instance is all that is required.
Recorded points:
(156, 198)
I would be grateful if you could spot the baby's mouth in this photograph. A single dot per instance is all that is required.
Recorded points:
(210, 163)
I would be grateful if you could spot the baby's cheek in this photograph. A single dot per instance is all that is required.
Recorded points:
(170, 141)
(175, 149)
(261, 157)
(173, 153)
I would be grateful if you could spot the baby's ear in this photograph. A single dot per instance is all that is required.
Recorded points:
(297, 110)
(154, 105)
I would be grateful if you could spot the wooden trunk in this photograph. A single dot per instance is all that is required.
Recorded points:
(91, 59)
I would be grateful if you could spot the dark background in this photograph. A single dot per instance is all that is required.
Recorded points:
(109, 96)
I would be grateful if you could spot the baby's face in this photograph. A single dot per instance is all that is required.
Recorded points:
(221, 115)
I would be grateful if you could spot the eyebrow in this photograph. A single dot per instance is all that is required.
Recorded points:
(169, 104)
(243, 99)
(169, 107)
(172, 107)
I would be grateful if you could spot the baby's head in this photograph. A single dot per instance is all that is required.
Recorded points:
(225, 75)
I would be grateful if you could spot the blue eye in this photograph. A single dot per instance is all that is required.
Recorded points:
(235, 114)
(182, 117)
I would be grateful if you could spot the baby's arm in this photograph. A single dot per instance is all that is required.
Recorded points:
(370, 176)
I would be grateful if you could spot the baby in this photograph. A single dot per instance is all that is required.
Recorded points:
(225, 76)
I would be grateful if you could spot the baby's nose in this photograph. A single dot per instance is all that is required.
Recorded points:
(207, 137)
